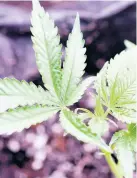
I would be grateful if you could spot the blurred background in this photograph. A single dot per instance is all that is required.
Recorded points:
(41, 151)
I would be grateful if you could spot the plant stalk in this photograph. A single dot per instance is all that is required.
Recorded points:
(113, 166)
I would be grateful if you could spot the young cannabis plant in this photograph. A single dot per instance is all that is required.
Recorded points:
(23, 104)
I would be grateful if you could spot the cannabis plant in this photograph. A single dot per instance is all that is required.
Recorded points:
(23, 104)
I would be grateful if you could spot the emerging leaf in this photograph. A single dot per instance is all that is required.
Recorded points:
(14, 93)
(47, 48)
(97, 121)
(74, 66)
(17, 119)
(116, 84)
(73, 125)
(98, 126)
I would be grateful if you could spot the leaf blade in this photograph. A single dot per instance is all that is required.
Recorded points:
(47, 48)
(17, 119)
(74, 62)
(77, 94)
(123, 143)
(117, 85)
(73, 125)
(14, 93)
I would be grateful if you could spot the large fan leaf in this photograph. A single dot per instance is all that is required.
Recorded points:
(20, 118)
(47, 48)
(74, 62)
(117, 85)
(14, 93)
(73, 125)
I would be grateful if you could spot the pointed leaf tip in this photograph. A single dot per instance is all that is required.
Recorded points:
(77, 22)
(35, 4)
(129, 44)
(45, 32)
(77, 15)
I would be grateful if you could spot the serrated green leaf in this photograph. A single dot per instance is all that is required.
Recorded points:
(116, 137)
(20, 118)
(116, 84)
(47, 48)
(73, 125)
(14, 93)
(101, 84)
(74, 64)
(77, 94)
(129, 135)
(123, 143)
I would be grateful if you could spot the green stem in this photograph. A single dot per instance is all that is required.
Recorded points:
(113, 166)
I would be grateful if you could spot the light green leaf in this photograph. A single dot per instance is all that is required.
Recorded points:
(73, 125)
(14, 93)
(129, 135)
(18, 119)
(98, 126)
(47, 48)
(129, 44)
(77, 94)
(123, 143)
(74, 64)
(116, 84)
(99, 111)
(132, 131)
(98, 123)
(101, 84)
(118, 135)
(126, 159)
